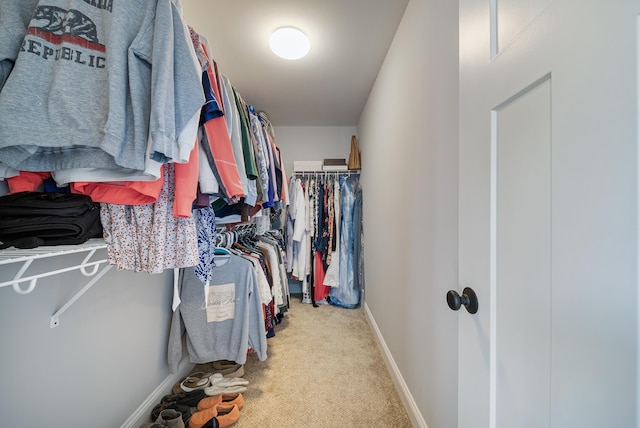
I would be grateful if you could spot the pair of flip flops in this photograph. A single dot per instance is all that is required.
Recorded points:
(201, 380)
(193, 382)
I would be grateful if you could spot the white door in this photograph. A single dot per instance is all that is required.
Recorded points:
(548, 213)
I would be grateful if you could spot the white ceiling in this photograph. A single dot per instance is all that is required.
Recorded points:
(349, 39)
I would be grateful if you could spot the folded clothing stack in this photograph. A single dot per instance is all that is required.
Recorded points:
(334, 165)
(33, 219)
(302, 166)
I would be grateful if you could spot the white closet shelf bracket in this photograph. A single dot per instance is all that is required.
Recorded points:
(87, 267)
(55, 318)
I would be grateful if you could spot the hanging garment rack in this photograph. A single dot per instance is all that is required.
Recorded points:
(325, 173)
(323, 176)
(227, 237)
(87, 267)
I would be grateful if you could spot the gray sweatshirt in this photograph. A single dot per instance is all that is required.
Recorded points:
(14, 21)
(93, 81)
(236, 316)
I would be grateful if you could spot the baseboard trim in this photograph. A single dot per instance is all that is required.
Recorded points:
(403, 390)
(141, 414)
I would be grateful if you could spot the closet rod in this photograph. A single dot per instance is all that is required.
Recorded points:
(329, 173)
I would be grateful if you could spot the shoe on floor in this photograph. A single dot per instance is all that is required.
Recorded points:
(170, 418)
(220, 380)
(225, 399)
(225, 415)
(195, 381)
(200, 418)
(228, 368)
(184, 410)
(190, 399)
(223, 364)
(221, 389)
(176, 388)
(213, 423)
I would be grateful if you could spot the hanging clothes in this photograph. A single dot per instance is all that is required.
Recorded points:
(250, 162)
(233, 128)
(266, 252)
(321, 291)
(346, 294)
(216, 140)
(96, 123)
(206, 228)
(228, 325)
(332, 276)
(262, 157)
(323, 237)
(149, 238)
(163, 132)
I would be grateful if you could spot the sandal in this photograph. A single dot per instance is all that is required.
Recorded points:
(195, 381)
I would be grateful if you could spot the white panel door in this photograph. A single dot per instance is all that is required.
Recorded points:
(548, 213)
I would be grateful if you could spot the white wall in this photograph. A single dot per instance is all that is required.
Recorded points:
(313, 142)
(107, 355)
(408, 138)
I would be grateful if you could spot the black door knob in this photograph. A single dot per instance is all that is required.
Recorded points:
(468, 299)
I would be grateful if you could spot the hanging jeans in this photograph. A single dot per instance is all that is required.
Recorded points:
(347, 295)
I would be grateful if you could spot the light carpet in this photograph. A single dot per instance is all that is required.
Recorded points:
(324, 369)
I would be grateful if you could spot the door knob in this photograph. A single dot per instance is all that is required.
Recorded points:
(468, 299)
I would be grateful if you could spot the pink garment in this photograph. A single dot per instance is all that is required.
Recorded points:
(186, 184)
(148, 238)
(27, 181)
(147, 192)
(320, 291)
(120, 192)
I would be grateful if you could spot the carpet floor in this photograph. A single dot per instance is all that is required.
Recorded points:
(324, 369)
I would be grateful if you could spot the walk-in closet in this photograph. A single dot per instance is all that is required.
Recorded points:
(156, 211)
(420, 213)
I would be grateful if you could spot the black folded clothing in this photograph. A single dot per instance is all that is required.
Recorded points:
(32, 219)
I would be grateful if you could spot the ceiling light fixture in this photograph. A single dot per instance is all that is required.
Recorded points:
(289, 43)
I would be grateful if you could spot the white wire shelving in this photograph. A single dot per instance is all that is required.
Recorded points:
(88, 267)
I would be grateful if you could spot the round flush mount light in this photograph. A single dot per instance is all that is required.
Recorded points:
(289, 43)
